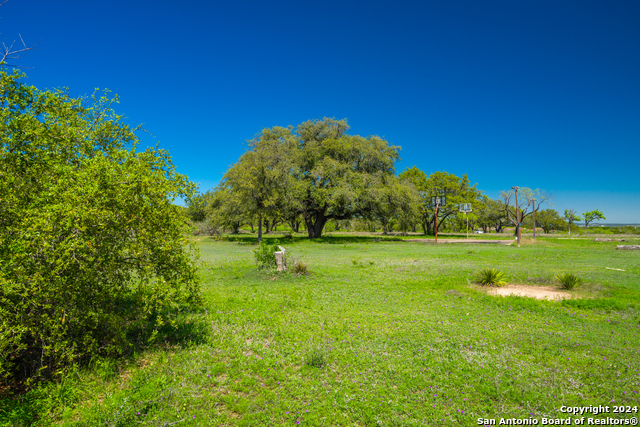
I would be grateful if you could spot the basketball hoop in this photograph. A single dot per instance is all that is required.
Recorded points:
(439, 201)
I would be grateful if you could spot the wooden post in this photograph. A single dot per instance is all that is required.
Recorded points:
(437, 204)
(518, 233)
(534, 217)
(281, 259)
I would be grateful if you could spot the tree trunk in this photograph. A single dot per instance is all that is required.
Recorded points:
(259, 228)
(431, 227)
(315, 225)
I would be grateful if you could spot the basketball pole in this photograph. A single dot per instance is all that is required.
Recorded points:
(467, 213)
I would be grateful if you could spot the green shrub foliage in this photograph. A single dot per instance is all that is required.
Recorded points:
(93, 251)
(265, 255)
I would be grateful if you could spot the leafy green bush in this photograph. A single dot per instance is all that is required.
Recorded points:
(93, 250)
(490, 277)
(264, 255)
(568, 281)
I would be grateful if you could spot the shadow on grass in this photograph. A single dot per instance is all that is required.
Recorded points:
(40, 403)
(244, 239)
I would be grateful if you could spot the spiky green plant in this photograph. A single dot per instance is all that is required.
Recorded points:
(568, 280)
(490, 277)
(300, 268)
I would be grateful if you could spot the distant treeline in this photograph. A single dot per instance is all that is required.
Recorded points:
(317, 177)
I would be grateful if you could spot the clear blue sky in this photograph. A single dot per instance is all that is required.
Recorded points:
(543, 94)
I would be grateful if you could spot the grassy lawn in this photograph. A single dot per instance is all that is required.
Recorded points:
(379, 332)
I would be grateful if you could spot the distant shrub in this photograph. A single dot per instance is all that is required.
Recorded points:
(490, 277)
(568, 281)
(205, 228)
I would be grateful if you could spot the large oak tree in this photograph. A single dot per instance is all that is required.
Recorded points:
(335, 172)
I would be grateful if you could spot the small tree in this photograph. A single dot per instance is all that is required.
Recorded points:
(490, 214)
(518, 201)
(571, 217)
(590, 216)
(259, 179)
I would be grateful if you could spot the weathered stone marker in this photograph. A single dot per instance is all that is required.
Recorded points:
(281, 259)
(601, 239)
(628, 247)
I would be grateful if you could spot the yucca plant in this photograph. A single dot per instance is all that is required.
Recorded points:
(568, 280)
(490, 277)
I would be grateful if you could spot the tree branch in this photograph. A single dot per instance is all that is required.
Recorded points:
(8, 53)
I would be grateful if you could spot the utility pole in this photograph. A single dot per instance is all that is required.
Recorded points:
(534, 217)
(518, 234)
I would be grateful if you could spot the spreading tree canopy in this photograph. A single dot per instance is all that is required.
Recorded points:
(590, 216)
(335, 172)
(316, 172)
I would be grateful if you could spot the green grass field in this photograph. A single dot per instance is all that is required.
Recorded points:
(378, 332)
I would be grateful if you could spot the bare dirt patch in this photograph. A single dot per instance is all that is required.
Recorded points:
(539, 292)
(469, 241)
